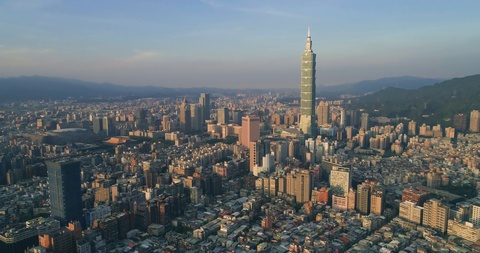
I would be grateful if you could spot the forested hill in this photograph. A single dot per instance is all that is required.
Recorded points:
(429, 103)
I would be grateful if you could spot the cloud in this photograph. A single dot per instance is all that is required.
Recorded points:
(142, 56)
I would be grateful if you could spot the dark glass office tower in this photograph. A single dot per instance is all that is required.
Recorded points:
(204, 102)
(65, 190)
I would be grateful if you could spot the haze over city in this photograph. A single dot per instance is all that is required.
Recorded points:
(241, 44)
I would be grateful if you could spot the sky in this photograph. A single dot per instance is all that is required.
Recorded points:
(237, 44)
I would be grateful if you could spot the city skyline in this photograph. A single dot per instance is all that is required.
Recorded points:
(236, 44)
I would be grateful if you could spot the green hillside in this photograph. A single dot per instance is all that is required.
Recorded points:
(429, 104)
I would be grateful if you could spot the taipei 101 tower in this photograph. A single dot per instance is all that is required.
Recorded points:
(307, 90)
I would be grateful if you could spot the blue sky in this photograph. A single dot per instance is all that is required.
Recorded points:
(237, 43)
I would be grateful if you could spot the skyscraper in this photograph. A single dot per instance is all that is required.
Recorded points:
(237, 117)
(307, 89)
(204, 102)
(364, 122)
(108, 126)
(222, 115)
(185, 117)
(196, 116)
(250, 129)
(97, 125)
(141, 118)
(65, 190)
(281, 152)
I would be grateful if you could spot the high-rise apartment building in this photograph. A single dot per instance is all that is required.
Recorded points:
(308, 89)
(289, 119)
(410, 211)
(377, 200)
(475, 121)
(364, 121)
(475, 214)
(293, 148)
(349, 132)
(166, 123)
(323, 113)
(412, 128)
(351, 200)
(303, 186)
(363, 199)
(352, 116)
(250, 129)
(256, 150)
(342, 118)
(109, 228)
(340, 180)
(435, 215)
(65, 190)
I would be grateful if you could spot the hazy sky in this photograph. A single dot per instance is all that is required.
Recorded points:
(237, 43)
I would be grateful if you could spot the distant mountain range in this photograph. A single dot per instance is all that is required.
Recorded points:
(370, 86)
(42, 87)
(430, 104)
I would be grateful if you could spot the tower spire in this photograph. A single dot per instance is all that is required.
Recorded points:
(308, 44)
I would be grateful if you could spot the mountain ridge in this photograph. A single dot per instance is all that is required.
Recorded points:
(369, 86)
(428, 104)
(44, 87)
